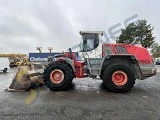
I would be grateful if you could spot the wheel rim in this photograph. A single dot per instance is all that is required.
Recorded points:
(56, 76)
(119, 78)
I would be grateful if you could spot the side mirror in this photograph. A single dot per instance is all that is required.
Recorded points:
(70, 53)
(80, 48)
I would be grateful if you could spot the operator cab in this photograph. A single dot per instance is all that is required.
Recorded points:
(90, 40)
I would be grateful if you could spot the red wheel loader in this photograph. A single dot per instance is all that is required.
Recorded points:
(118, 65)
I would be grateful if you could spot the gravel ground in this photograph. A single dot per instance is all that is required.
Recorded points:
(87, 100)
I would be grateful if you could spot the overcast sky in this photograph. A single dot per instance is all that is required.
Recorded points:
(27, 24)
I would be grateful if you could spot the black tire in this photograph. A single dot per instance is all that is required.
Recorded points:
(108, 79)
(5, 70)
(68, 66)
(11, 65)
(68, 76)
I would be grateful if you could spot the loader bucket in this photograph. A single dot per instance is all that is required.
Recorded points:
(27, 77)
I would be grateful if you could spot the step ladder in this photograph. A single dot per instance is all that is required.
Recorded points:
(93, 65)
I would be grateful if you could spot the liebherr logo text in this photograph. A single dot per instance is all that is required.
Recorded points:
(37, 59)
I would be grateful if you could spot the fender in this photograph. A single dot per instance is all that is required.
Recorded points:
(67, 60)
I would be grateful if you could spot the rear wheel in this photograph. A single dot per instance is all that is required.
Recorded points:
(118, 77)
(5, 70)
(57, 76)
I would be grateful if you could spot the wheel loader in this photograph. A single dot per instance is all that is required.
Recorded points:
(117, 65)
(18, 61)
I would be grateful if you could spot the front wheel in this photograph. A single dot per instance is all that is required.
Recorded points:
(57, 76)
(118, 78)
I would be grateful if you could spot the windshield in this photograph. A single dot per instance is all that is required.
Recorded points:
(89, 42)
